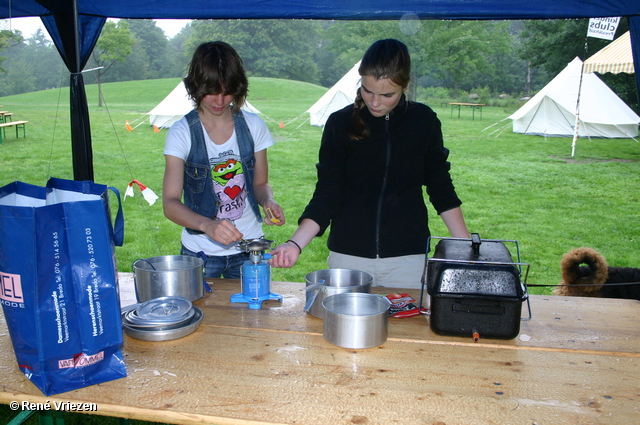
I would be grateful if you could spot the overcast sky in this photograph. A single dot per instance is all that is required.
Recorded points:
(29, 26)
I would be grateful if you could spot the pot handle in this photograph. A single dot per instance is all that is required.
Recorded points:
(314, 286)
(475, 244)
(133, 265)
(311, 300)
(313, 297)
(133, 270)
(201, 255)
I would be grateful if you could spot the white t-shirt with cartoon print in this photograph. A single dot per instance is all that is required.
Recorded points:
(228, 180)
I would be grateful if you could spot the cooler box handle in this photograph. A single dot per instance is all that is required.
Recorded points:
(475, 244)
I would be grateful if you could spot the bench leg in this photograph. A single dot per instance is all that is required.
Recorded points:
(22, 417)
(24, 130)
(51, 417)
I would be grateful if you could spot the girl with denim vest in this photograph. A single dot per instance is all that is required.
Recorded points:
(216, 173)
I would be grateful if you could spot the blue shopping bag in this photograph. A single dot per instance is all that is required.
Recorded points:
(59, 282)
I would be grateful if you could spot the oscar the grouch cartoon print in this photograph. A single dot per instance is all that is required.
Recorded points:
(229, 185)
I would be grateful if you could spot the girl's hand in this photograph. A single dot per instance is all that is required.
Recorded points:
(284, 255)
(273, 214)
(223, 231)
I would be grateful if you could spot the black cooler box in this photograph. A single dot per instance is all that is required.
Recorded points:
(475, 288)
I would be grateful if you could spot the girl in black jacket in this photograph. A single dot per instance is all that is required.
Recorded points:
(375, 157)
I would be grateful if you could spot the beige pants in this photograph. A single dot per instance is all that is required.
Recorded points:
(392, 272)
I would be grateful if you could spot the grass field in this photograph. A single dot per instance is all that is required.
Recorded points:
(514, 187)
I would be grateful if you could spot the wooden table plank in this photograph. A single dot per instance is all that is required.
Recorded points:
(226, 375)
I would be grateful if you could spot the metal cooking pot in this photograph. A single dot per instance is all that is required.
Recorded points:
(356, 320)
(323, 283)
(169, 276)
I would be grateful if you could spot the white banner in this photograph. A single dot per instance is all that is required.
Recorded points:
(603, 27)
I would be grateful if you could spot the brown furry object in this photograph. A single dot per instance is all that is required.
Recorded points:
(597, 273)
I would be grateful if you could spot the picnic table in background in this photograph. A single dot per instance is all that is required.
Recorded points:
(6, 121)
(473, 106)
(5, 115)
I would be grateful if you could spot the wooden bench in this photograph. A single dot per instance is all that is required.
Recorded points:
(17, 124)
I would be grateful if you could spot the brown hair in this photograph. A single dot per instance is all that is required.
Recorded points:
(216, 68)
(387, 58)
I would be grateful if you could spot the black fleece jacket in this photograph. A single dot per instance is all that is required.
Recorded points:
(370, 191)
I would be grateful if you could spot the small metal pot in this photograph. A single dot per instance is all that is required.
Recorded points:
(169, 276)
(356, 320)
(324, 283)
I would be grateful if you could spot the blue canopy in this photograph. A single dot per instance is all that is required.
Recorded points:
(75, 25)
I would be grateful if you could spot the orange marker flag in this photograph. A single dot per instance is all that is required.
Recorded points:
(281, 124)
(128, 126)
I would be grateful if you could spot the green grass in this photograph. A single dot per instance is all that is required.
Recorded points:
(514, 187)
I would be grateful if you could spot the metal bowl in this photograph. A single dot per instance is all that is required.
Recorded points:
(166, 333)
(356, 320)
(331, 282)
(169, 276)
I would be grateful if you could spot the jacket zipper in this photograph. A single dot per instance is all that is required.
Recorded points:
(384, 185)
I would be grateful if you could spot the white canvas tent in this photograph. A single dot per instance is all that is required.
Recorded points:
(176, 105)
(340, 95)
(552, 111)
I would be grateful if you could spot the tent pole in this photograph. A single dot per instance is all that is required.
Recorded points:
(80, 126)
(576, 125)
(634, 28)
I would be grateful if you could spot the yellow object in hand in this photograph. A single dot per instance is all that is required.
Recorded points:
(273, 217)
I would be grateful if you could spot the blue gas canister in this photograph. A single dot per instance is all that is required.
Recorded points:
(255, 275)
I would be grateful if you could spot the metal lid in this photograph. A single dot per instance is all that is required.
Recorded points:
(131, 317)
(164, 309)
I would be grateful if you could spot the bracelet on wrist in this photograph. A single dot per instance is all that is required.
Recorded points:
(296, 244)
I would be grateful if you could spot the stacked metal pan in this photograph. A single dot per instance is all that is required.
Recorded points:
(161, 319)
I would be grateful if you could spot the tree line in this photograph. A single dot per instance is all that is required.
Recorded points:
(515, 58)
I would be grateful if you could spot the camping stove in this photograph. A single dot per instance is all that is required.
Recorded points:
(255, 275)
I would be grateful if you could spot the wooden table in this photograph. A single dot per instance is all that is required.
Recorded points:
(473, 106)
(577, 361)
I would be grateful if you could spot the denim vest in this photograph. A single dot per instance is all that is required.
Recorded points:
(199, 195)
